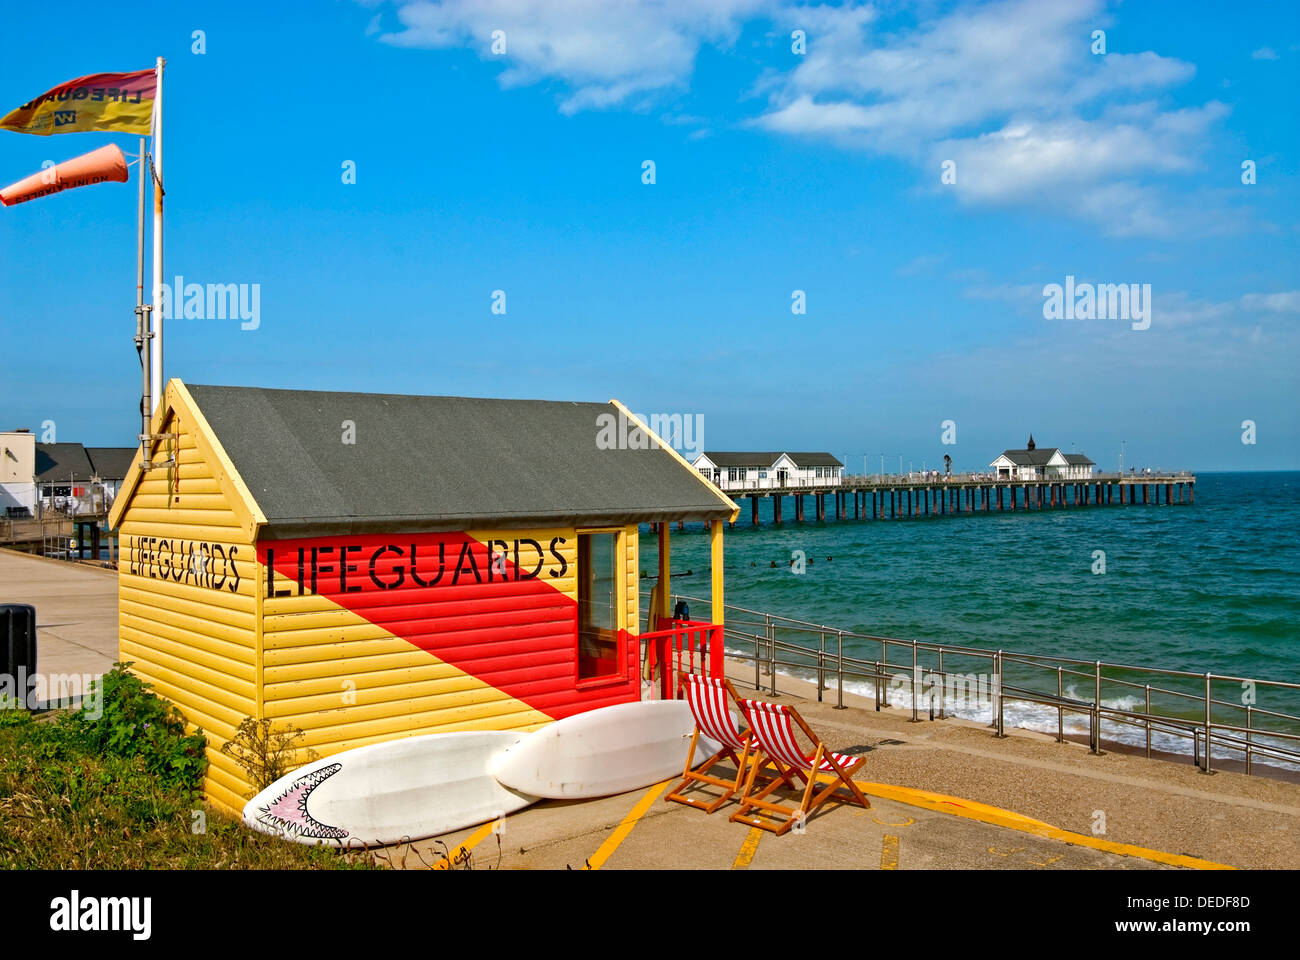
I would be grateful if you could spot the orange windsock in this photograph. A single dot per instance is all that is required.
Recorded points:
(105, 165)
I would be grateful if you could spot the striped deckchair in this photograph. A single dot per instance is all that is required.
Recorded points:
(710, 699)
(772, 728)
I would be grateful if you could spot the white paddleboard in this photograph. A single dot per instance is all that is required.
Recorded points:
(388, 792)
(603, 751)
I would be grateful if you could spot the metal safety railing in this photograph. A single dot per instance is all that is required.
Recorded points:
(691, 646)
(1147, 699)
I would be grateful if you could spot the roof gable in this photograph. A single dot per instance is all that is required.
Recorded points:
(766, 459)
(316, 462)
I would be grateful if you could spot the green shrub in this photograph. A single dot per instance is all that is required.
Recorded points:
(136, 723)
(121, 791)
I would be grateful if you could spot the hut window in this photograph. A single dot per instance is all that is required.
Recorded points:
(598, 645)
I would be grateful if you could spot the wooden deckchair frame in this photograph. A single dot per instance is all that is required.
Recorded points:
(692, 776)
(780, 818)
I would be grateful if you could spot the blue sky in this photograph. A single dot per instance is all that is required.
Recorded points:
(775, 172)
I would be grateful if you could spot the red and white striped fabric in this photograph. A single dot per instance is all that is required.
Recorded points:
(774, 734)
(710, 705)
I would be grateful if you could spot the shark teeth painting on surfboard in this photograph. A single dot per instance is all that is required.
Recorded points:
(385, 793)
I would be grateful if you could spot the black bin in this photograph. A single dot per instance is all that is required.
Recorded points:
(18, 651)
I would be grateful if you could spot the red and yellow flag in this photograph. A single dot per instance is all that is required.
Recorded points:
(103, 102)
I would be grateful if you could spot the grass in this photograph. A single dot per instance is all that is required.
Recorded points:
(121, 792)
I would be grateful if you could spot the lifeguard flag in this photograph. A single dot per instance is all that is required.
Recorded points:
(105, 165)
(103, 102)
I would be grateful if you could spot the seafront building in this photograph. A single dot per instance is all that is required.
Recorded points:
(62, 476)
(1047, 463)
(770, 470)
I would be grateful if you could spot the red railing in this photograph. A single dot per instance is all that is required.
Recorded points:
(693, 646)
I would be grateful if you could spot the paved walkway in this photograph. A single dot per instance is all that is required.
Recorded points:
(1046, 802)
(76, 612)
(1049, 806)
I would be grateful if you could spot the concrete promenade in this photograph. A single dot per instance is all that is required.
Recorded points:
(1024, 801)
(76, 612)
(1021, 802)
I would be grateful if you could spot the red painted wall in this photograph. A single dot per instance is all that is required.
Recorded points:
(500, 607)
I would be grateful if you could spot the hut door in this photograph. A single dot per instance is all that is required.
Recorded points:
(598, 646)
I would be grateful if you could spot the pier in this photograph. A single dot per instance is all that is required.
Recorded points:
(901, 498)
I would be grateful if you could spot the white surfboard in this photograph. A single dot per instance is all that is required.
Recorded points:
(388, 792)
(603, 751)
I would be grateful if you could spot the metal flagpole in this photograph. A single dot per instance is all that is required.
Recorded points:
(142, 309)
(156, 344)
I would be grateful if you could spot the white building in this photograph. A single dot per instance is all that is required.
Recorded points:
(17, 473)
(1047, 463)
(770, 470)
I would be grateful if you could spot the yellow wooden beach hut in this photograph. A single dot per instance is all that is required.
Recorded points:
(363, 567)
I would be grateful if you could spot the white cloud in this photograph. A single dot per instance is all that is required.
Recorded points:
(1286, 302)
(1012, 94)
(1264, 53)
(1009, 90)
(607, 53)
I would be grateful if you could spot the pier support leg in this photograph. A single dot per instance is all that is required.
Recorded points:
(715, 567)
(1146, 493)
(753, 515)
(1191, 493)
(893, 504)
(776, 508)
(665, 575)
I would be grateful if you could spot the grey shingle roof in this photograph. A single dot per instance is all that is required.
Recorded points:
(1038, 457)
(441, 463)
(57, 461)
(1030, 458)
(766, 459)
(111, 463)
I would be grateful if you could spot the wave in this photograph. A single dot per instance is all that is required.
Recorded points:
(897, 693)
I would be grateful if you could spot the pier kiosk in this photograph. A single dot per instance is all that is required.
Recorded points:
(364, 567)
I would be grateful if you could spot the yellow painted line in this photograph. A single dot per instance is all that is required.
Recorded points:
(597, 859)
(905, 822)
(472, 841)
(889, 853)
(973, 810)
(748, 849)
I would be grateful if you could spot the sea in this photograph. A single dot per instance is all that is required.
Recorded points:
(1210, 586)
